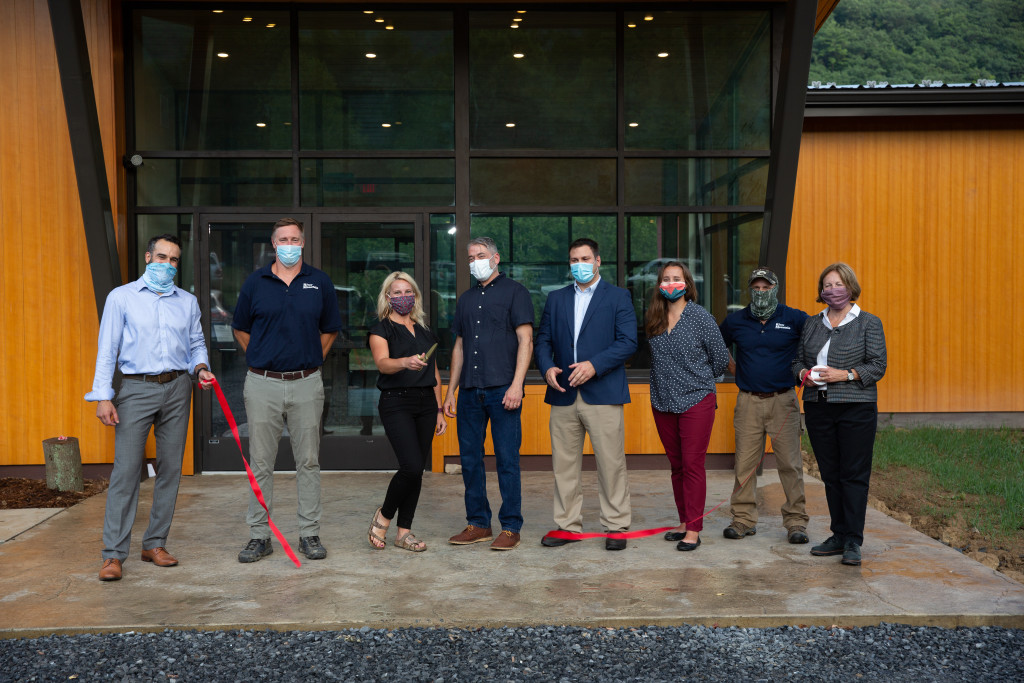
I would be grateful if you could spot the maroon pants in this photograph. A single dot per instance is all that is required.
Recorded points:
(685, 437)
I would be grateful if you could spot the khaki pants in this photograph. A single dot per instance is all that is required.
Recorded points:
(267, 403)
(778, 417)
(606, 425)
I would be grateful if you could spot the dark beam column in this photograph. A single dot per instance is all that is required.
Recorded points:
(86, 145)
(787, 125)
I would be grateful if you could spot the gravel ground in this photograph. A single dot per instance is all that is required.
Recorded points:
(882, 653)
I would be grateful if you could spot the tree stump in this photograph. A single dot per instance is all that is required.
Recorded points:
(63, 464)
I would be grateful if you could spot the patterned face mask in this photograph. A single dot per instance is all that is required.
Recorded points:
(764, 302)
(672, 290)
(403, 305)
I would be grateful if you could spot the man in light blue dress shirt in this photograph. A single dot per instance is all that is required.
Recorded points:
(151, 332)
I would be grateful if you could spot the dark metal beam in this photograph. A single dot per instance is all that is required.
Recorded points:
(86, 145)
(787, 125)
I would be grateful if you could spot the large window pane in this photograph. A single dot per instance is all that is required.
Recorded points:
(212, 81)
(535, 249)
(698, 80)
(443, 294)
(719, 249)
(542, 182)
(214, 182)
(696, 182)
(401, 97)
(548, 84)
(378, 182)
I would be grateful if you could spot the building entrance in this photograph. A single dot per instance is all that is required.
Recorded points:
(357, 252)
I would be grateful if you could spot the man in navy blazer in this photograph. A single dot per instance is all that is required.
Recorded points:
(587, 332)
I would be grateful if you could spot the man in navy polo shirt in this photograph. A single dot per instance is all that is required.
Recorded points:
(286, 320)
(493, 344)
(766, 334)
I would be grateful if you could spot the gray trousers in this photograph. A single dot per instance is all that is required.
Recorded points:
(141, 405)
(268, 402)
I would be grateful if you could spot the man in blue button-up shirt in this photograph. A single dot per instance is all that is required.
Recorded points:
(151, 332)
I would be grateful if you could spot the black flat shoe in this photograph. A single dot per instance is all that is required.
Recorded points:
(683, 545)
(552, 542)
(674, 535)
(614, 544)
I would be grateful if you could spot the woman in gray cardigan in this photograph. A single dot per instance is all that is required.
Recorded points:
(840, 357)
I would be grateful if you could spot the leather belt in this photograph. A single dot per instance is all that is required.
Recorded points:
(162, 378)
(766, 394)
(286, 376)
(822, 397)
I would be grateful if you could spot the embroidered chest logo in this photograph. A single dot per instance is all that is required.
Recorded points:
(780, 326)
(308, 285)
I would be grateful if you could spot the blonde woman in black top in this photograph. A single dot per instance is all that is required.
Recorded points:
(410, 403)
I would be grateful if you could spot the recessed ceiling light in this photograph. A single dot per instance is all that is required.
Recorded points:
(385, 125)
(246, 19)
(630, 25)
(520, 11)
(389, 28)
(452, 230)
(379, 20)
(222, 55)
(261, 125)
(518, 55)
(633, 124)
(271, 25)
(518, 19)
(514, 26)
(663, 54)
(287, 123)
(218, 11)
(648, 18)
(510, 125)
(371, 55)
(367, 11)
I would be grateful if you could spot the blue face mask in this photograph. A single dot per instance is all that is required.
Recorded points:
(582, 272)
(160, 277)
(289, 254)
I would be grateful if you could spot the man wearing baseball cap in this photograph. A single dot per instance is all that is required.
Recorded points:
(765, 335)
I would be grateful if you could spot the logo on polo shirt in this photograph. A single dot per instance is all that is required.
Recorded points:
(308, 285)
(780, 326)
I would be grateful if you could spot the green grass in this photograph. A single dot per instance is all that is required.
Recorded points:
(979, 472)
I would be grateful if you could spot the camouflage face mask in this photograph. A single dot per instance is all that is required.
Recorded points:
(764, 302)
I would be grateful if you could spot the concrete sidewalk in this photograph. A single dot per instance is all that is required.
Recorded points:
(48, 573)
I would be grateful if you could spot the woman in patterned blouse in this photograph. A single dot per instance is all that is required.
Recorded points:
(687, 354)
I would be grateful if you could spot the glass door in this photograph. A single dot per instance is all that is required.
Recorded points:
(357, 252)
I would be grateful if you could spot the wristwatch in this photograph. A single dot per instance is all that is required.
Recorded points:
(849, 376)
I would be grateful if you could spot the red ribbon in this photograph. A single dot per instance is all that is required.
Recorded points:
(641, 533)
(252, 478)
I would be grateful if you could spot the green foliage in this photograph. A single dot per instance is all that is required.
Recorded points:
(907, 41)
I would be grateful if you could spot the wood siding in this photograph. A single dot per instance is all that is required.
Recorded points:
(929, 212)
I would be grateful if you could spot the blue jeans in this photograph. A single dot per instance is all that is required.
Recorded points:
(475, 408)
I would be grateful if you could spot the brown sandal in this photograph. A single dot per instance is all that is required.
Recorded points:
(409, 542)
(371, 537)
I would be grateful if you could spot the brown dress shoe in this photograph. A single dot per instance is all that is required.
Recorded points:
(111, 570)
(471, 534)
(159, 556)
(506, 540)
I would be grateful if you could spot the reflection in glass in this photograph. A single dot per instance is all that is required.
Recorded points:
(358, 256)
(719, 250)
(696, 182)
(214, 182)
(542, 182)
(710, 90)
(401, 98)
(205, 81)
(443, 294)
(558, 93)
(535, 249)
(378, 182)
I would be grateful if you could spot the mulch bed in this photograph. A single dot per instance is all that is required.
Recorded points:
(16, 493)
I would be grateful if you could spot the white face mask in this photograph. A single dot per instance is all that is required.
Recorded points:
(481, 269)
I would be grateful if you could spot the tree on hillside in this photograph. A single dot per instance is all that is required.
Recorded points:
(907, 41)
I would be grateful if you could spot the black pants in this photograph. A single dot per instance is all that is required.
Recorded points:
(843, 438)
(409, 417)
